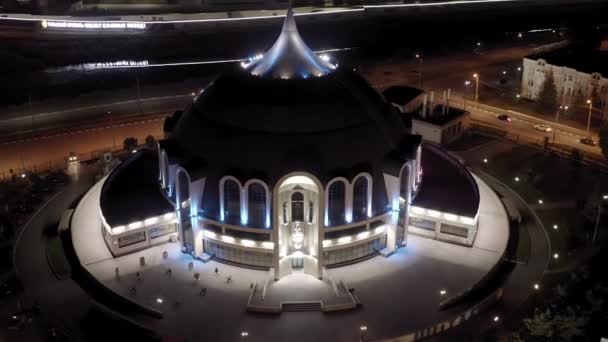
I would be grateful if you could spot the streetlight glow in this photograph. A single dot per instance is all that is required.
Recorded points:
(363, 328)
(442, 292)
(517, 179)
(244, 333)
(496, 318)
(159, 300)
(555, 256)
(485, 160)
(555, 226)
(540, 201)
(605, 197)
(536, 286)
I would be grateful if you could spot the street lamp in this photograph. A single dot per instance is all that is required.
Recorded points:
(419, 61)
(363, 330)
(467, 83)
(590, 103)
(597, 219)
(113, 135)
(476, 77)
(561, 108)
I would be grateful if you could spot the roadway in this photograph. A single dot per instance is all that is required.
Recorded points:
(49, 135)
(60, 301)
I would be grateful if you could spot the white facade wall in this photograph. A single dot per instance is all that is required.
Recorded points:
(441, 134)
(568, 82)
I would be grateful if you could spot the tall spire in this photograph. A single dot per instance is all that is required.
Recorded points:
(289, 57)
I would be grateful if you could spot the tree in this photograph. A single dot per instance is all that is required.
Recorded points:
(547, 97)
(604, 140)
(130, 144)
(151, 142)
(557, 326)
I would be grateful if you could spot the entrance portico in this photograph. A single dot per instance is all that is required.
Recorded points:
(298, 206)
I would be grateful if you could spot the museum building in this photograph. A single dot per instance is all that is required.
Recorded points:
(288, 161)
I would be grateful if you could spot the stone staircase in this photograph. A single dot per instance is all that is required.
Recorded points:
(301, 306)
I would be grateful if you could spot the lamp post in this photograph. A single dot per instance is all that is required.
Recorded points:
(597, 219)
(419, 61)
(562, 107)
(113, 134)
(590, 103)
(466, 91)
(476, 77)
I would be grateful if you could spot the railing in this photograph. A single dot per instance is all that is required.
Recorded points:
(365, 223)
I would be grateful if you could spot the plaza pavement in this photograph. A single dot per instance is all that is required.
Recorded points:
(399, 294)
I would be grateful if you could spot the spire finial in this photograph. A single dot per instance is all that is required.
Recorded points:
(289, 57)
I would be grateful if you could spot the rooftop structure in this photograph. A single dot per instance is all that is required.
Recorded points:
(287, 162)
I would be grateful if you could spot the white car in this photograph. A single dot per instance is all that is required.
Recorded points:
(543, 128)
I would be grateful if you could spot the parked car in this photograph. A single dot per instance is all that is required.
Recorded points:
(588, 141)
(543, 128)
(504, 117)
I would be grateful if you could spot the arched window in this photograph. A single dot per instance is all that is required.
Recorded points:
(336, 203)
(297, 207)
(360, 189)
(256, 201)
(232, 202)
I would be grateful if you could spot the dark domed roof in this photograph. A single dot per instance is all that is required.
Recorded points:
(242, 121)
(264, 125)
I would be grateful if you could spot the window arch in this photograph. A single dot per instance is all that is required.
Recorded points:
(256, 203)
(336, 203)
(297, 206)
(360, 198)
(232, 201)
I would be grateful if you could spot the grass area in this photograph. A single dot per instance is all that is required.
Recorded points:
(563, 238)
(56, 257)
(536, 175)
